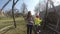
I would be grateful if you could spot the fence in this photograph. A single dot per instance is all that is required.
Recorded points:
(53, 22)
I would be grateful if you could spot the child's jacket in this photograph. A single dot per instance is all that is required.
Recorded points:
(37, 21)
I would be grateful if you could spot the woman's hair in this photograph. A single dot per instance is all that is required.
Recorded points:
(29, 14)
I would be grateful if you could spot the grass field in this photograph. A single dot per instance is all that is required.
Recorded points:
(21, 25)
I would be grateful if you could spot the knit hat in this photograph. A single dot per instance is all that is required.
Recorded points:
(37, 14)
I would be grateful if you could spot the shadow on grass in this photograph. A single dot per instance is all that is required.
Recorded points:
(7, 30)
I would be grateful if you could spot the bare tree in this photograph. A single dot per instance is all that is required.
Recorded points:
(37, 8)
(24, 8)
(40, 6)
(9, 12)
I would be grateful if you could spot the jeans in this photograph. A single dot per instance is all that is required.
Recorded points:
(29, 29)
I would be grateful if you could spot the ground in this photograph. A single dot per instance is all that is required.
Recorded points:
(20, 22)
(21, 25)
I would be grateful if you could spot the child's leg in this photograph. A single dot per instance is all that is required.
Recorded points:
(39, 29)
(35, 29)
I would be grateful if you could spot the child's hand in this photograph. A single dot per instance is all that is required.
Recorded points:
(39, 25)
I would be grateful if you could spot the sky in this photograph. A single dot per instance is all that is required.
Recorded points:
(30, 4)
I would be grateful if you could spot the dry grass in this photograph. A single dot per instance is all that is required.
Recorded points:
(21, 25)
(21, 29)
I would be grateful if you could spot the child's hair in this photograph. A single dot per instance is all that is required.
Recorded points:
(37, 15)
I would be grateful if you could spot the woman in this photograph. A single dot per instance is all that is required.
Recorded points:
(29, 21)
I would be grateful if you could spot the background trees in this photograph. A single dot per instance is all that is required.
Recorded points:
(9, 12)
(24, 9)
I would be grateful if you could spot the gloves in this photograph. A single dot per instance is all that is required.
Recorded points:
(39, 24)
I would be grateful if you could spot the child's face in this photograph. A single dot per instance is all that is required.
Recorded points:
(37, 16)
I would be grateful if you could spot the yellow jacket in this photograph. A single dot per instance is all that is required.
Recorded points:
(37, 21)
